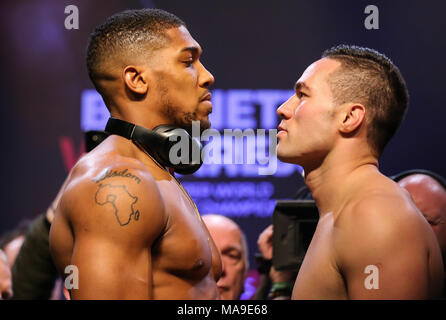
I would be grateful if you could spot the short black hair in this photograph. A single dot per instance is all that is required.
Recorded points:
(369, 77)
(127, 35)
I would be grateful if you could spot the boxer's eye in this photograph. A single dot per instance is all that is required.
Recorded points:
(301, 94)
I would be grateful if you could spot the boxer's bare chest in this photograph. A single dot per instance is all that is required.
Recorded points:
(185, 249)
(318, 277)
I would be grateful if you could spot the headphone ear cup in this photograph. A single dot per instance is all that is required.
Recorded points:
(172, 135)
(153, 143)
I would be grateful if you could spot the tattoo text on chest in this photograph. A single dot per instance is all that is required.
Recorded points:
(105, 174)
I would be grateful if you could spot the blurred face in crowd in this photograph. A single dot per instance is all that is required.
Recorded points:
(232, 246)
(430, 198)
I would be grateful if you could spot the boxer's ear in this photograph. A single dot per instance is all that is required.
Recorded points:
(134, 80)
(353, 115)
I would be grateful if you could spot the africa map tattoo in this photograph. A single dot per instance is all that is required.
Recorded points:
(123, 208)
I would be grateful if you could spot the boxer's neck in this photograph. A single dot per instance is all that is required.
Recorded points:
(146, 119)
(330, 183)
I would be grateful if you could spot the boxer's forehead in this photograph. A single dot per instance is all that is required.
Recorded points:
(180, 40)
(317, 73)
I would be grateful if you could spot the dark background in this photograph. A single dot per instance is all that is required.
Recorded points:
(247, 45)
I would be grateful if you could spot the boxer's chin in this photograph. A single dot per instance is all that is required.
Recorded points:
(282, 158)
(191, 128)
(205, 124)
(280, 154)
(285, 157)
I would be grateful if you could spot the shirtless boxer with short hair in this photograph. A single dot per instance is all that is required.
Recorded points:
(123, 220)
(371, 242)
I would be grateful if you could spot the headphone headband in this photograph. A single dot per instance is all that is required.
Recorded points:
(158, 142)
(120, 127)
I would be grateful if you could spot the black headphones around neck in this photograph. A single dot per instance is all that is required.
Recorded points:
(431, 174)
(158, 143)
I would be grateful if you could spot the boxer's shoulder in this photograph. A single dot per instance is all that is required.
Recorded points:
(379, 217)
(383, 204)
(381, 228)
(112, 183)
(97, 167)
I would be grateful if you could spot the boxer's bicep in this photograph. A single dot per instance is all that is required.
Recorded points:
(113, 240)
(383, 256)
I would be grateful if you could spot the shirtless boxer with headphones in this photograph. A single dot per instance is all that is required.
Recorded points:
(123, 219)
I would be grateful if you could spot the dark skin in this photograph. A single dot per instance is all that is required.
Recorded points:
(122, 219)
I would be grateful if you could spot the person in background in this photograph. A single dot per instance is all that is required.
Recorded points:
(428, 192)
(231, 243)
(274, 284)
(10, 244)
(5, 277)
(33, 275)
(12, 241)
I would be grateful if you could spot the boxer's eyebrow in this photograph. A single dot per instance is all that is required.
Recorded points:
(193, 49)
(301, 85)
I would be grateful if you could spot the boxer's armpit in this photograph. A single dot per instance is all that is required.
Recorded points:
(122, 203)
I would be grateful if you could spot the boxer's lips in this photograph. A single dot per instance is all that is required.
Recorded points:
(281, 129)
(206, 97)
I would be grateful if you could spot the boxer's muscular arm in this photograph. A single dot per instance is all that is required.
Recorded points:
(382, 252)
(117, 220)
